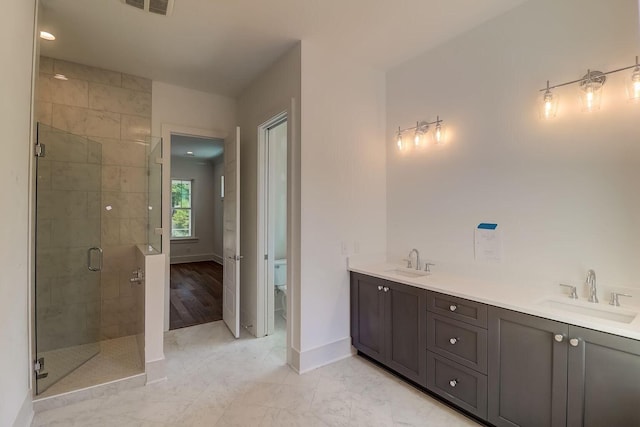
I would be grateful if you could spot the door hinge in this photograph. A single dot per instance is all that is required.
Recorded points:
(38, 366)
(40, 150)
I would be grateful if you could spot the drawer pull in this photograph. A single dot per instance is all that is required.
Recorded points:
(453, 307)
(559, 337)
(379, 287)
(574, 342)
(453, 341)
(386, 289)
(453, 382)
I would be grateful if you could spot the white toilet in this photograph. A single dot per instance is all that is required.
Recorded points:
(280, 283)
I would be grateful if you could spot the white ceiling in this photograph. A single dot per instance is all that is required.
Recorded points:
(219, 46)
(202, 148)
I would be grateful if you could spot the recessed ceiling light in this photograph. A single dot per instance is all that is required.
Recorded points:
(47, 36)
(60, 77)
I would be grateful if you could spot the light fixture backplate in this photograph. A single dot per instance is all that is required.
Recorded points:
(597, 77)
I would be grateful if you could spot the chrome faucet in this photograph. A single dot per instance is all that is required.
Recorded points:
(409, 265)
(591, 282)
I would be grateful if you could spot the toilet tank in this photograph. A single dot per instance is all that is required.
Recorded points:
(280, 274)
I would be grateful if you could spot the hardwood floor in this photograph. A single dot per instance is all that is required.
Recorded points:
(196, 294)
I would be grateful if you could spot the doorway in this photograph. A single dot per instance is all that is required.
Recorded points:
(197, 194)
(273, 221)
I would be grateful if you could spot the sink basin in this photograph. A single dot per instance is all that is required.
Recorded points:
(407, 272)
(600, 311)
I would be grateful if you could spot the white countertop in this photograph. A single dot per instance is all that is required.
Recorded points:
(517, 298)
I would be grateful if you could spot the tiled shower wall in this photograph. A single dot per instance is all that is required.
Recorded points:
(114, 110)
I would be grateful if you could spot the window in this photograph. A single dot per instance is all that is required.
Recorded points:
(181, 216)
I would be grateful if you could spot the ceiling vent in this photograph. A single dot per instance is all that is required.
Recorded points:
(159, 7)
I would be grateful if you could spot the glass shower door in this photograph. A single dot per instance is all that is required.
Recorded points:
(68, 254)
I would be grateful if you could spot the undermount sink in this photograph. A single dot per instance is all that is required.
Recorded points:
(600, 311)
(407, 272)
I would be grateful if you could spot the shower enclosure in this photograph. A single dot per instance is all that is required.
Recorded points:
(93, 208)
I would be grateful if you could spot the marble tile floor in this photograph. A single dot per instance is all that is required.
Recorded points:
(116, 358)
(214, 380)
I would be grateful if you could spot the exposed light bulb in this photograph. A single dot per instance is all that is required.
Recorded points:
(438, 133)
(589, 98)
(634, 89)
(591, 86)
(399, 140)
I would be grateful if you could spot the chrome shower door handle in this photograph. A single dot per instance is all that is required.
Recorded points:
(90, 266)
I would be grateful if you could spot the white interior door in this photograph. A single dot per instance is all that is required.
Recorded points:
(231, 236)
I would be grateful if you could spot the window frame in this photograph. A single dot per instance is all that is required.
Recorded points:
(192, 234)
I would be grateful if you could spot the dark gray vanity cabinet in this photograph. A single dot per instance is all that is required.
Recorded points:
(527, 370)
(457, 351)
(604, 379)
(388, 324)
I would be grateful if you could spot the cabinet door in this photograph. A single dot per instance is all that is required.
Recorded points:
(367, 315)
(527, 370)
(406, 331)
(604, 380)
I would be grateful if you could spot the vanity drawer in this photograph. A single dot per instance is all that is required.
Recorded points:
(462, 386)
(461, 309)
(458, 341)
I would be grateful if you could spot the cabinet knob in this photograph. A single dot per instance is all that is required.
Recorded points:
(453, 382)
(574, 342)
(379, 287)
(386, 289)
(453, 341)
(558, 337)
(453, 307)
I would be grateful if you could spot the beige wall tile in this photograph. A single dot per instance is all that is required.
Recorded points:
(75, 232)
(110, 178)
(63, 146)
(44, 233)
(118, 203)
(110, 285)
(62, 204)
(137, 205)
(85, 72)
(118, 257)
(44, 92)
(94, 152)
(119, 100)
(43, 112)
(110, 237)
(102, 124)
(135, 128)
(75, 176)
(70, 92)
(46, 65)
(43, 169)
(84, 288)
(94, 204)
(125, 153)
(133, 180)
(136, 83)
(69, 119)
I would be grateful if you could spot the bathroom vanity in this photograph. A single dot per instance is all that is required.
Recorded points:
(507, 359)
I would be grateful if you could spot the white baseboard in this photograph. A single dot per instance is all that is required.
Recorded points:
(25, 415)
(218, 258)
(156, 371)
(181, 259)
(314, 358)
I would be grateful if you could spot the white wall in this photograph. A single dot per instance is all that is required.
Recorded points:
(186, 109)
(270, 94)
(190, 108)
(565, 192)
(343, 192)
(207, 210)
(17, 47)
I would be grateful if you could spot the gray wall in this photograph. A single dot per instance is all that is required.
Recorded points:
(207, 209)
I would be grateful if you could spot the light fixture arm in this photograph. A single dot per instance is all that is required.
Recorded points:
(422, 125)
(591, 75)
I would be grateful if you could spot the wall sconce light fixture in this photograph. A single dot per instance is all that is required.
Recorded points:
(591, 90)
(419, 132)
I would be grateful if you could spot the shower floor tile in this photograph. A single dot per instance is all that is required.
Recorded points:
(118, 358)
